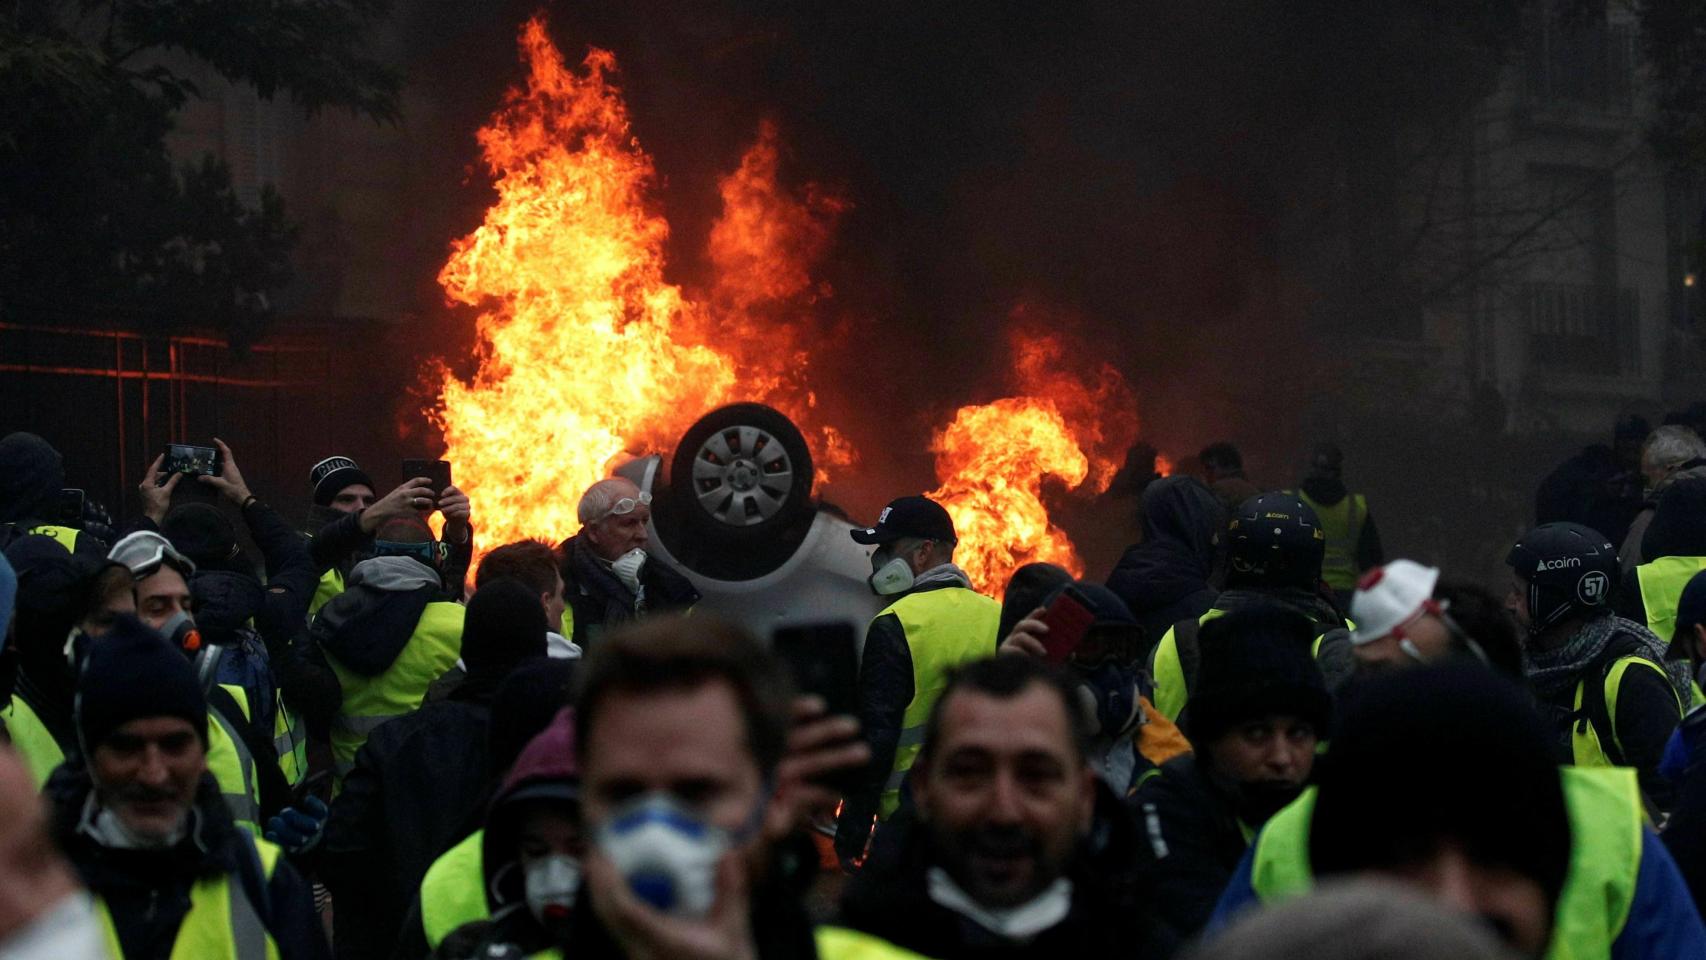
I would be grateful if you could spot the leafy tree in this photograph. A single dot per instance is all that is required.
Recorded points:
(96, 223)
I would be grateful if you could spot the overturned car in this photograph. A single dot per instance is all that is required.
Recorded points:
(733, 510)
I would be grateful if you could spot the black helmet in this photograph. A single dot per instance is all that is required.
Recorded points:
(1276, 540)
(1569, 569)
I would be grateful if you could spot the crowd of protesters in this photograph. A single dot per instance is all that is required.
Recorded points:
(1259, 738)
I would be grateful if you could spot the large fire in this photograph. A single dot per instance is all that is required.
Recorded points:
(585, 351)
(992, 460)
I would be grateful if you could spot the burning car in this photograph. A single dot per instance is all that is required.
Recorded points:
(733, 510)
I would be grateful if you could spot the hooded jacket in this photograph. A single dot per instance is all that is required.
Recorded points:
(366, 627)
(147, 892)
(546, 771)
(1166, 578)
(600, 601)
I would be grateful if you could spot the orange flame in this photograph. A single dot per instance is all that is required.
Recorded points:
(586, 353)
(992, 459)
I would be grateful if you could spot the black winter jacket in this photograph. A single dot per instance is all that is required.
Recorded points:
(417, 789)
(1110, 915)
(147, 892)
(600, 601)
(1191, 845)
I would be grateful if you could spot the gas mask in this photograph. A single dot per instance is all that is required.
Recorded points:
(667, 853)
(889, 576)
(180, 631)
(552, 882)
(1108, 694)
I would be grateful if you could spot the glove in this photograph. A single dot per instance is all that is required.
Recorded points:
(299, 827)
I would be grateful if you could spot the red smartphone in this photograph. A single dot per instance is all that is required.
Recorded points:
(1068, 618)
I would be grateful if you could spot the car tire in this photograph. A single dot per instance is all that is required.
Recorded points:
(742, 477)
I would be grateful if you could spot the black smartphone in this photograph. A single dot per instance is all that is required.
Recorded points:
(824, 660)
(190, 459)
(70, 510)
(438, 471)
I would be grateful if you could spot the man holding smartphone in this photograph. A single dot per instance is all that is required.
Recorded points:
(346, 492)
(934, 623)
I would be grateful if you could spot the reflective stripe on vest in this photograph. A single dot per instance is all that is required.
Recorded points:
(840, 943)
(944, 628)
(331, 584)
(1605, 812)
(1661, 589)
(1342, 523)
(453, 892)
(233, 766)
(370, 701)
(221, 923)
(1586, 750)
(1172, 687)
(31, 738)
(290, 741)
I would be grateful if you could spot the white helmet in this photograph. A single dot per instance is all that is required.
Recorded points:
(1389, 597)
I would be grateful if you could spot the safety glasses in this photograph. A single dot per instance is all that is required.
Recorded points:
(144, 551)
(626, 505)
(1440, 610)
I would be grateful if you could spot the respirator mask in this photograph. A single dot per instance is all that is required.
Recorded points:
(890, 574)
(667, 853)
(552, 882)
(627, 568)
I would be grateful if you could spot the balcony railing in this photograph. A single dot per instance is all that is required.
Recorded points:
(1583, 328)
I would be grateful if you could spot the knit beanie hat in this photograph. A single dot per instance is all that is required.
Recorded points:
(132, 673)
(31, 474)
(1442, 752)
(52, 590)
(1256, 661)
(332, 475)
(505, 624)
(202, 533)
(1678, 527)
(524, 704)
(1029, 588)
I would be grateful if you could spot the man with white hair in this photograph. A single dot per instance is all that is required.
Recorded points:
(608, 578)
(1672, 453)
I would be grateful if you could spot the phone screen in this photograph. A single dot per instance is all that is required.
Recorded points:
(1068, 618)
(190, 459)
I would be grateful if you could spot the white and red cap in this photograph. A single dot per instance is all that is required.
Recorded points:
(1389, 597)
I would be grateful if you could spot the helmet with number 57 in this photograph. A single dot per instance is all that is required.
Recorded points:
(1566, 570)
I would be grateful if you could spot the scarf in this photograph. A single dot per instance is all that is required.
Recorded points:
(1554, 673)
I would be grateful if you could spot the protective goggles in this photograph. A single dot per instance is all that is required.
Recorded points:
(144, 551)
(626, 505)
(429, 552)
(1441, 611)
